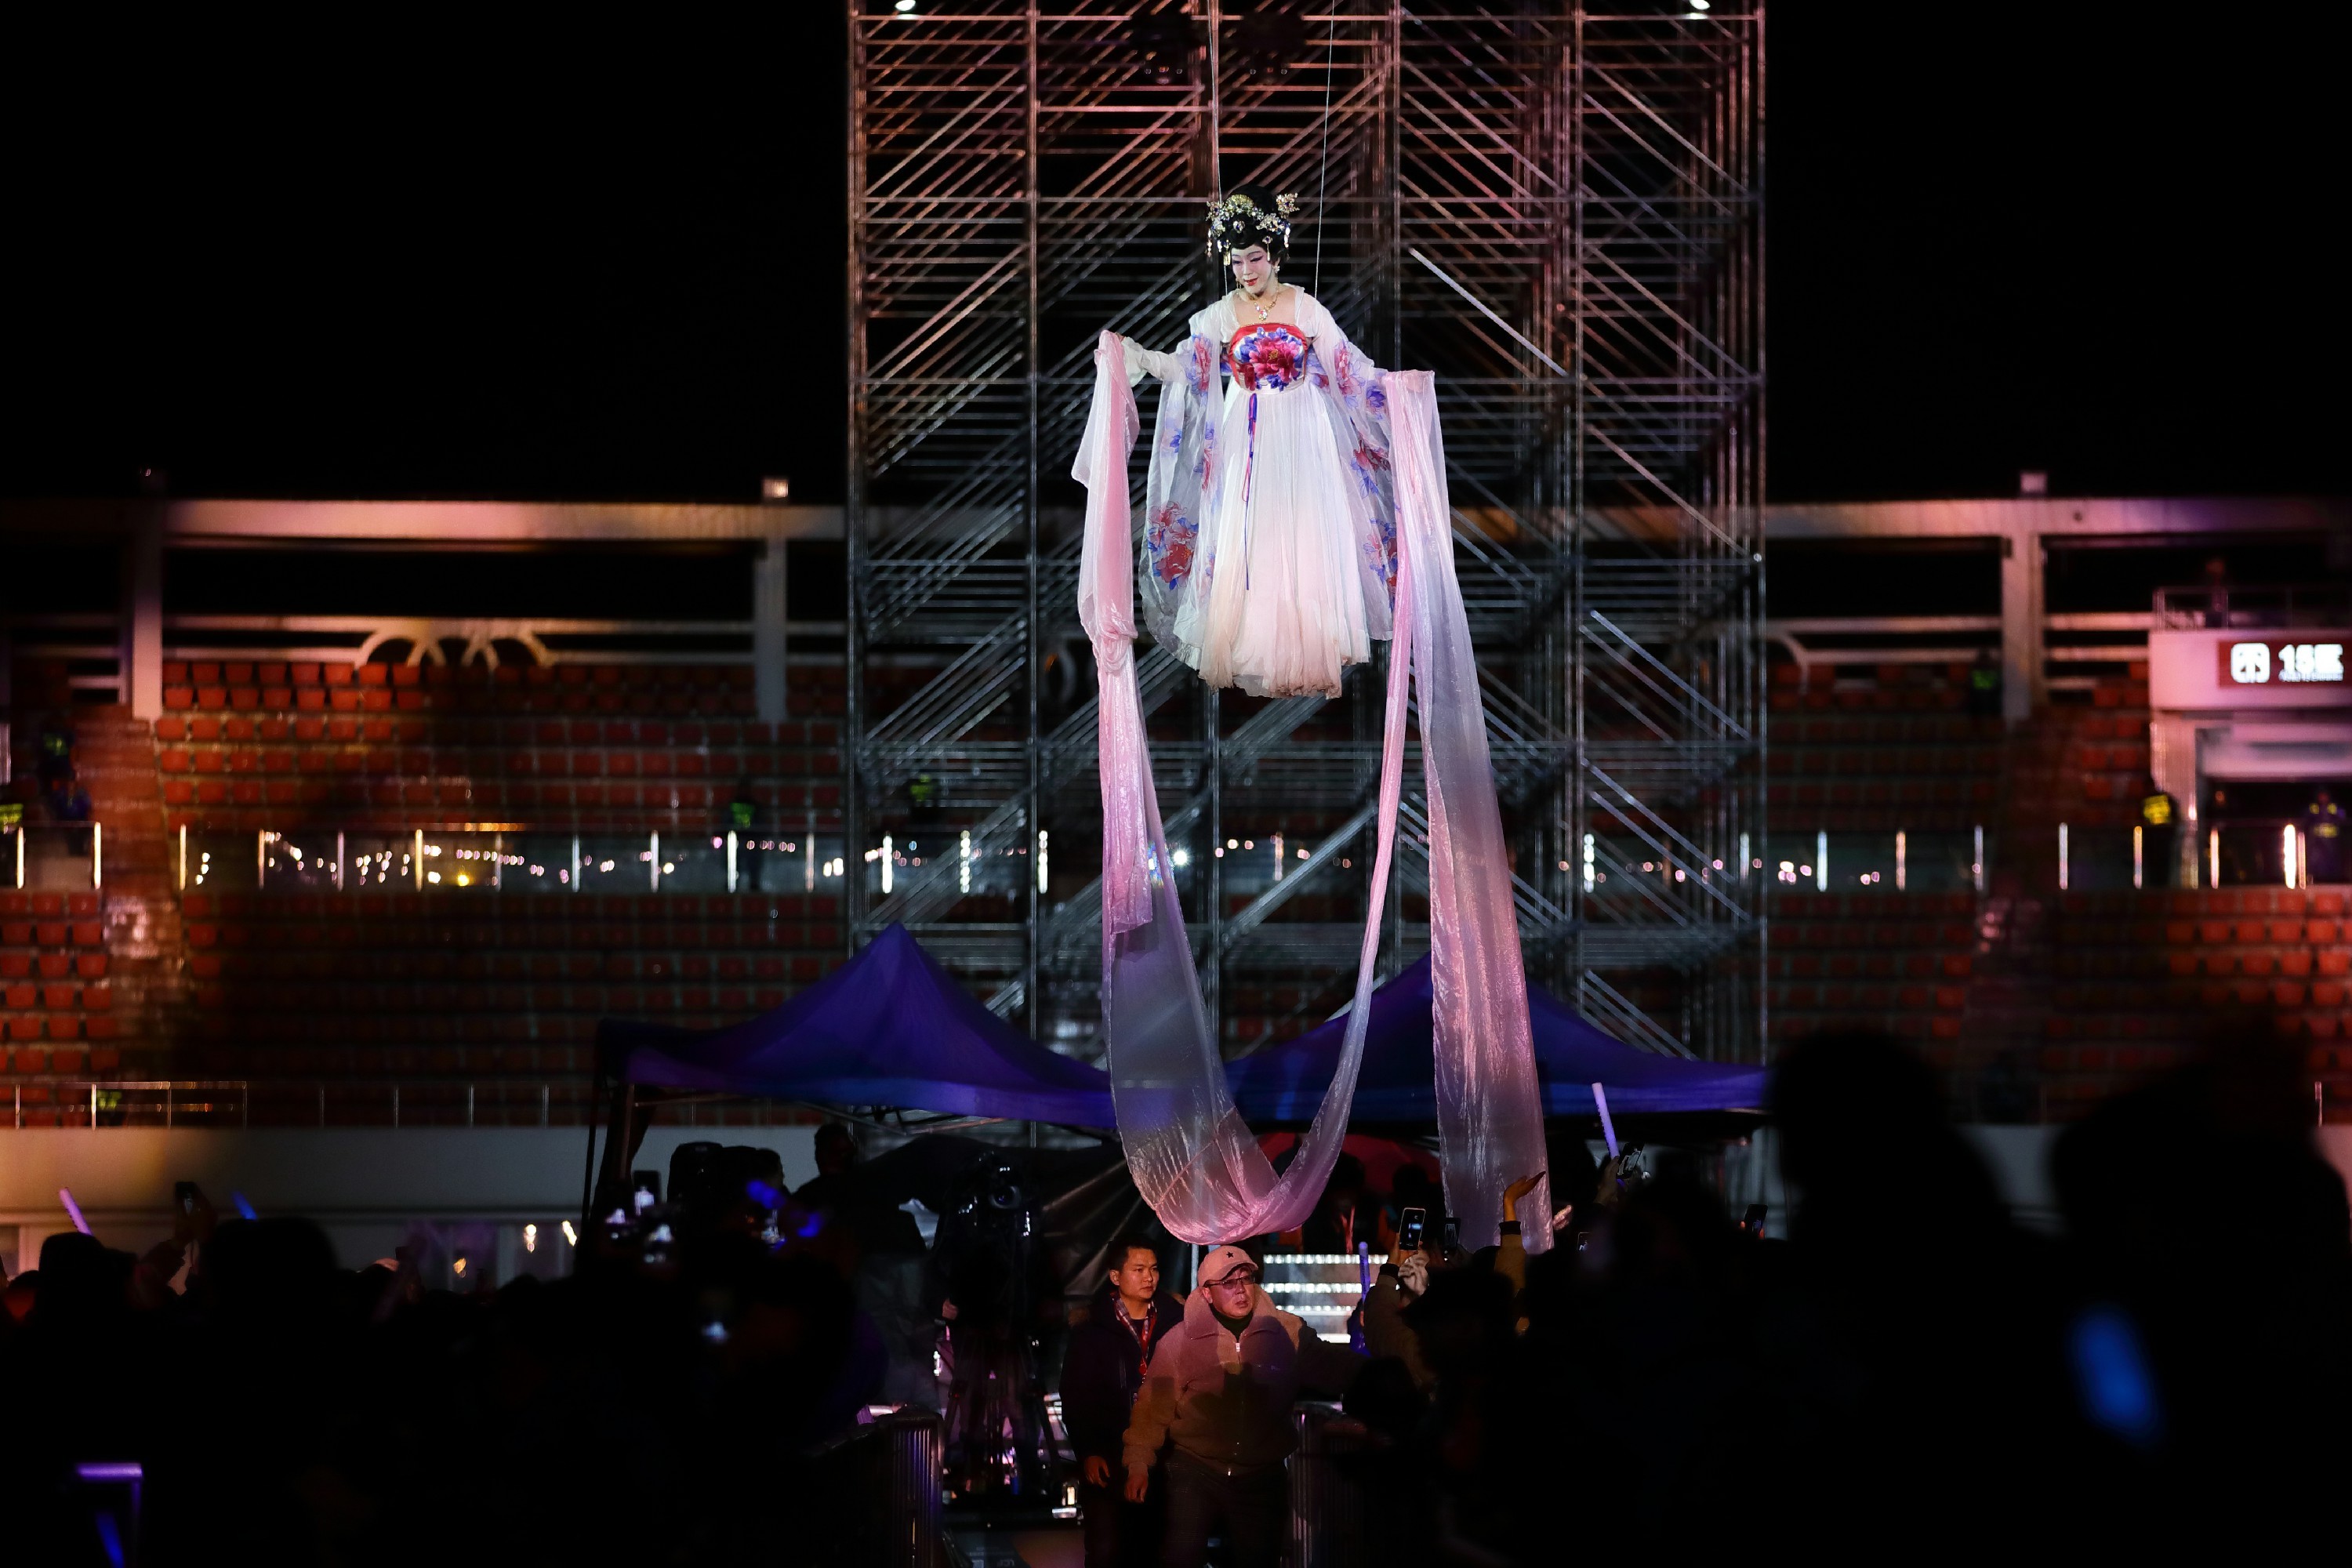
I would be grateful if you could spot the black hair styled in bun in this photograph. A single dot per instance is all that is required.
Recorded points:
(1251, 215)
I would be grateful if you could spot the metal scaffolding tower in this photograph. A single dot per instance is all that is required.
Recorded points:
(1557, 211)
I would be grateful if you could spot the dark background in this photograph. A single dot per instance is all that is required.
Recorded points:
(605, 261)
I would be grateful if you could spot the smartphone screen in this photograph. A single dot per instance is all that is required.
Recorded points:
(1413, 1229)
(648, 1189)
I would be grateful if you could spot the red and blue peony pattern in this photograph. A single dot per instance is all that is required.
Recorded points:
(1269, 357)
(1168, 542)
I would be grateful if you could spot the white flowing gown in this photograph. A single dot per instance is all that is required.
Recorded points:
(1284, 590)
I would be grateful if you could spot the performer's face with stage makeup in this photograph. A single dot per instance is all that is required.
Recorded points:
(1253, 269)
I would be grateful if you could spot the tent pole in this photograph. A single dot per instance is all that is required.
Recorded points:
(625, 1152)
(588, 1170)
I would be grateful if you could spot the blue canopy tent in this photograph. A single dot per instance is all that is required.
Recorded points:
(889, 1028)
(1398, 1083)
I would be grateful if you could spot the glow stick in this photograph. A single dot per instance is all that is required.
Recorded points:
(1608, 1130)
(65, 1196)
(243, 1207)
(1364, 1274)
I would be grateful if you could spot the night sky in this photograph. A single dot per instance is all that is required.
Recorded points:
(606, 262)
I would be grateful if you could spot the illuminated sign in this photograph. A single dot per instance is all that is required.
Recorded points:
(2276, 662)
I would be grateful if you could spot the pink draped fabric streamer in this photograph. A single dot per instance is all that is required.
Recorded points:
(1193, 1158)
(1489, 1106)
(1107, 610)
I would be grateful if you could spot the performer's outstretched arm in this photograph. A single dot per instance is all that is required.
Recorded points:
(1142, 362)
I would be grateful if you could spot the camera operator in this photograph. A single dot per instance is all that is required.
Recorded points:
(1102, 1372)
(1221, 1387)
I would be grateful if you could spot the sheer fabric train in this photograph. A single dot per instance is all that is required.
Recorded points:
(1193, 1158)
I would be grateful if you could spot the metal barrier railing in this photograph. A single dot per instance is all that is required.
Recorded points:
(77, 1099)
(135, 1102)
(487, 861)
(82, 1101)
(52, 857)
(1330, 1516)
(882, 1486)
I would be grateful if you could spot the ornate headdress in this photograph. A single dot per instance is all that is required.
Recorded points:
(1239, 221)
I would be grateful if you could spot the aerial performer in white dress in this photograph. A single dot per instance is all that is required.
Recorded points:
(1290, 520)
(1270, 532)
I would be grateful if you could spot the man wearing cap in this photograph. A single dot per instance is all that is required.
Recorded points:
(1220, 1388)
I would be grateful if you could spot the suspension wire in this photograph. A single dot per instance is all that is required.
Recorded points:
(1323, 158)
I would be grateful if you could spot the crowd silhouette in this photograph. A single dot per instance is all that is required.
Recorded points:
(1909, 1369)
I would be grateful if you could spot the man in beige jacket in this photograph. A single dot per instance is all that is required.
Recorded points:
(1220, 1389)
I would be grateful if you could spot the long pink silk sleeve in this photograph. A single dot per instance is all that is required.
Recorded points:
(1193, 1158)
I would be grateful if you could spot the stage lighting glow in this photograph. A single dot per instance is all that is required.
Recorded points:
(1182, 857)
(904, 7)
(530, 1238)
(571, 1237)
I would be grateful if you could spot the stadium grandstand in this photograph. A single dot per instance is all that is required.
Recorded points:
(359, 815)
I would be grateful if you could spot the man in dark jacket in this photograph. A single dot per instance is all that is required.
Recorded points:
(1101, 1372)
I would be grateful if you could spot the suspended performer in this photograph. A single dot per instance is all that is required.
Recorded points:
(1289, 519)
(1269, 552)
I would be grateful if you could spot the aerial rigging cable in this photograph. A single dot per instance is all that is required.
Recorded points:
(1323, 157)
